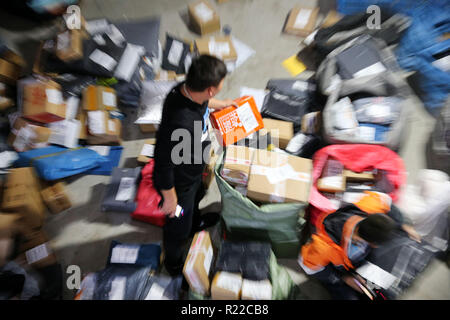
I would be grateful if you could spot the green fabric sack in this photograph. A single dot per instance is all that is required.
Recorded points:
(280, 223)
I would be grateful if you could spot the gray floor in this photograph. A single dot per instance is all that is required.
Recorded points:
(81, 235)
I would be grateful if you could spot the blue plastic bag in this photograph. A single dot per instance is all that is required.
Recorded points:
(113, 159)
(55, 162)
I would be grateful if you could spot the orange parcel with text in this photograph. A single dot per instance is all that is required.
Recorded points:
(233, 124)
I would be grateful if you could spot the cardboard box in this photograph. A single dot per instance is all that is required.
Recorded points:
(99, 98)
(148, 127)
(23, 176)
(276, 177)
(27, 202)
(203, 17)
(9, 72)
(26, 135)
(82, 117)
(147, 151)
(233, 124)
(332, 178)
(69, 45)
(43, 101)
(256, 290)
(198, 263)
(37, 250)
(331, 18)
(100, 123)
(236, 165)
(226, 286)
(220, 47)
(301, 21)
(359, 177)
(311, 122)
(56, 198)
(283, 131)
(9, 224)
(165, 75)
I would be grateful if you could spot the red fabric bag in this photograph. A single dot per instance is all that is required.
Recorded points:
(148, 199)
(358, 158)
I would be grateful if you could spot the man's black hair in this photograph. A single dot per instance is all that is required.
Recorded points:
(376, 228)
(205, 71)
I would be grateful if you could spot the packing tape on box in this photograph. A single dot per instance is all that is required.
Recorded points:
(238, 161)
(51, 155)
(278, 193)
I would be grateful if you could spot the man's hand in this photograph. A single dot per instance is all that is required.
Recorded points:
(170, 202)
(412, 233)
(221, 104)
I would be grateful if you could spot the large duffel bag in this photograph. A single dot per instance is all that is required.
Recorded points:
(279, 224)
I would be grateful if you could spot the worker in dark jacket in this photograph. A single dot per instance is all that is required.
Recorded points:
(343, 240)
(182, 145)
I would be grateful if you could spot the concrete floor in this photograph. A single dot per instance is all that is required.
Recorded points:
(82, 235)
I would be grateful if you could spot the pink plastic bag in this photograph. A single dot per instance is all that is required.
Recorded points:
(358, 158)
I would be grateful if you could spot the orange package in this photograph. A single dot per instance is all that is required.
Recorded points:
(233, 124)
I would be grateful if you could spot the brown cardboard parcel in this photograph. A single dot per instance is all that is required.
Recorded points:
(281, 130)
(26, 135)
(236, 165)
(221, 47)
(198, 263)
(226, 286)
(43, 101)
(9, 72)
(203, 17)
(99, 98)
(23, 176)
(276, 177)
(301, 21)
(56, 198)
(69, 45)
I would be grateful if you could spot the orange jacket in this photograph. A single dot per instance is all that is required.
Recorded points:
(322, 250)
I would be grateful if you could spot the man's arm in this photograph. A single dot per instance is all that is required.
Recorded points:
(220, 104)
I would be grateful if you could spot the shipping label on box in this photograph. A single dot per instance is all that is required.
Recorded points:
(277, 178)
(256, 290)
(220, 47)
(198, 263)
(233, 124)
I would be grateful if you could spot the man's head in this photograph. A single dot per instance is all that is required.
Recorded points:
(376, 229)
(206, 75)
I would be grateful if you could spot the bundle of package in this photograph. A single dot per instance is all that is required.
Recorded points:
(354, 163)
(121, 192)
(356, 112)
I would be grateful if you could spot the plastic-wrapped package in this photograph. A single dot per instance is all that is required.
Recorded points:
(112, 155)
(304, 145)
(121, 192)
(380, 110)
(120, 283)
(426, 204)
(54, 162)
(161, 287)
(152, 99)
(176, 55)
(251, 259)
(142, 255)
